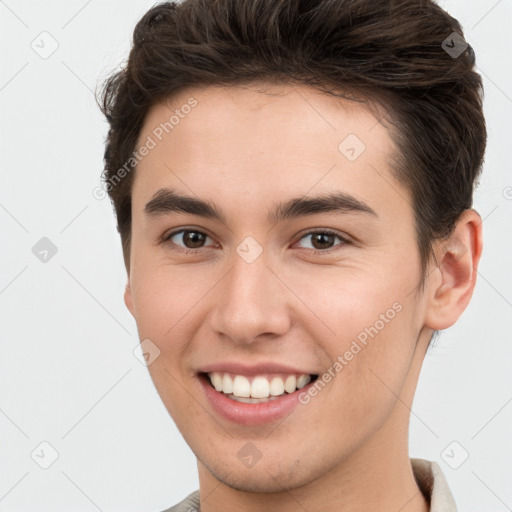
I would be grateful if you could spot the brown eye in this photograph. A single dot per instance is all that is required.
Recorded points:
(323, 241)
(191, 239)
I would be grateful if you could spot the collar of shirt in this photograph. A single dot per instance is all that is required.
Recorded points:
(433, 485)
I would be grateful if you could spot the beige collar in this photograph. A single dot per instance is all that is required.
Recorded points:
(433, 485)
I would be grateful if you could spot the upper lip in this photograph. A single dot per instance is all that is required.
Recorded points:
(254, 369)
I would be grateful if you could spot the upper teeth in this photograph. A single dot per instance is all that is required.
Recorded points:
(260, 387)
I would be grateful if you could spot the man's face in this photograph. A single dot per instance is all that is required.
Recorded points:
(252, 299)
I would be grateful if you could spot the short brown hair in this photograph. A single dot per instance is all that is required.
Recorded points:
(386, 51)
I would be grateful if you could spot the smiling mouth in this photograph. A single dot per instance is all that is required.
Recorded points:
(259, 388)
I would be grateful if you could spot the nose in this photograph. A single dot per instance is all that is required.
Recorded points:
(251, 303)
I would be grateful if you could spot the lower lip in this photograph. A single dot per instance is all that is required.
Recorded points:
(251, 414)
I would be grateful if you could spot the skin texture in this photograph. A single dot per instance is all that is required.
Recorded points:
(347, 449)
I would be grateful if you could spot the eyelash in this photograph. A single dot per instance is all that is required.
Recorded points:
(177, 248)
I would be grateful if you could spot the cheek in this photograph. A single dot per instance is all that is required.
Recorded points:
(371, 344)
(162, 298)
(374, 378)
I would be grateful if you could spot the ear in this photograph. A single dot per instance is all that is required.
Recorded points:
(128, 300)
(457, 264)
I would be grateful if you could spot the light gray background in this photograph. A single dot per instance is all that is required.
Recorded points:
(68, 375)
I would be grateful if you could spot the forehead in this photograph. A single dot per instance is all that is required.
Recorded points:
(261, 140)
(259, 109)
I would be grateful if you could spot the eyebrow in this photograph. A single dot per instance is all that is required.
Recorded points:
(168, 200)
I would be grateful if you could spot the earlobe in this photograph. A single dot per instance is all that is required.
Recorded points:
(128, 297)
(458, 259)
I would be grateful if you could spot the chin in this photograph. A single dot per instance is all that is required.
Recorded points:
(260, 481)
(276, 473)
